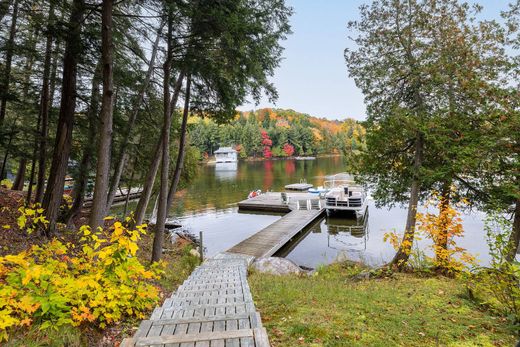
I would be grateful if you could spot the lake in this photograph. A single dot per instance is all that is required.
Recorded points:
(209, 205)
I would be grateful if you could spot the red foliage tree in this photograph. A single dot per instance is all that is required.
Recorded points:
(266, 140)
(267, 143)
(288, 149)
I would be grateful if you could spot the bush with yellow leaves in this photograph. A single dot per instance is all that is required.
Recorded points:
(31, 218)
(99, 281)
(441, 222)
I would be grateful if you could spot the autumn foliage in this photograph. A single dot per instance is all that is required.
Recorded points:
(288, 149)
(442, 226)
(267, 143)
(99, 281)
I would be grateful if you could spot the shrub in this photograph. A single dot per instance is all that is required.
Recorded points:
(498, 285)
(98, 281)
(31, 218)
(442, 228)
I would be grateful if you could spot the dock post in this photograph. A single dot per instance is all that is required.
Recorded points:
(201, 248)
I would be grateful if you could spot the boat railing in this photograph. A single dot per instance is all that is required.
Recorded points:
(341, 182)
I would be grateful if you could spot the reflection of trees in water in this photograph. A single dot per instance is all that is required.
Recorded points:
(268, 174)
(290, 167)
(208, 191)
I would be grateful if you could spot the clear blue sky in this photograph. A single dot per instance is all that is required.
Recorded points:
(313, 77)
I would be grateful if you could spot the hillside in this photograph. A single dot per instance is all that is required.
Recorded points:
(277, 133)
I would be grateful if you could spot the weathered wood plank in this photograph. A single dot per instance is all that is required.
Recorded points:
(261, 339)
(270, 239)
(203, 319)
(215, 335)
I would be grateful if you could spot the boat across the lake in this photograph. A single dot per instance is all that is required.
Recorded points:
(344, 195)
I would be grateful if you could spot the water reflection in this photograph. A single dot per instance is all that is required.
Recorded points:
(226, 171)
(345, 236)
(209, 205)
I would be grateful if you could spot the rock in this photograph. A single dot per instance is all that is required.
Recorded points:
(277, 266)
(362, 276)
(194, 253)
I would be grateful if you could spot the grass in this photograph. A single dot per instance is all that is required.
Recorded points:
(330, 309)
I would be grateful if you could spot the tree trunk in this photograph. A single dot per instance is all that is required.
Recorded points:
(3, 172)
(403, 253)
(144, 199)
(20, 175)
(442, 238)
(122, 157)
(165, 162)
(80, 182)
(44, 108)
(514, 238)
(129, 187)
(8, 62)
(182, 145)
(149, 181)
(97, 213)
(63, 143)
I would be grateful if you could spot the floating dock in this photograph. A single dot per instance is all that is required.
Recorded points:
(298, 186)
(302, 210)
(274, 202)
(267, 241)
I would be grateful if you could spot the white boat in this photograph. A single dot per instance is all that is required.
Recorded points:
(317, 190)
(344, 195)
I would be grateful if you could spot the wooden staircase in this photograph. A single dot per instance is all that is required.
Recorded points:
(213, 307)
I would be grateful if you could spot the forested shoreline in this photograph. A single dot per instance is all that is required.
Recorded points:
(284, 132)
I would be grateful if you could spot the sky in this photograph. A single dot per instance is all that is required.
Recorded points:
(313, 77)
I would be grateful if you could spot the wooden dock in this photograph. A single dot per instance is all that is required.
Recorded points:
(213, 307)
(298, 186)
(267, 241)
(272, 202)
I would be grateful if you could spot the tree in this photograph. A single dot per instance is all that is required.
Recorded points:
(267, 143)
(423, 67)
(63, 143)
(288, 149)
(165, 150)
(6, 76)
(99, 208)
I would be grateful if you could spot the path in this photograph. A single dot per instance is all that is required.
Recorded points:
(213, 307)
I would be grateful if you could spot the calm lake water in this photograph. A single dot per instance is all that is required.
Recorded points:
(209, 205)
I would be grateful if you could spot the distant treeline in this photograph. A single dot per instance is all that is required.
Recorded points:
(278, 133)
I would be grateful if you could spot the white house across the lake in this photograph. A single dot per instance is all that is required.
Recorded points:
(226, 155)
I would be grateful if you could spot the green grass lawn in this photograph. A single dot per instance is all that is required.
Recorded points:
(329, 309)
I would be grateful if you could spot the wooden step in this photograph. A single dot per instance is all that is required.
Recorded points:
(202, 310)
(247, 337)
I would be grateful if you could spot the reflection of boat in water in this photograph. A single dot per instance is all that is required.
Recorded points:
(348, 234)
(344, 195)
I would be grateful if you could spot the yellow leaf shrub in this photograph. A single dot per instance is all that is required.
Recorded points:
(442, 224)
(31, 218)
(98, 281)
